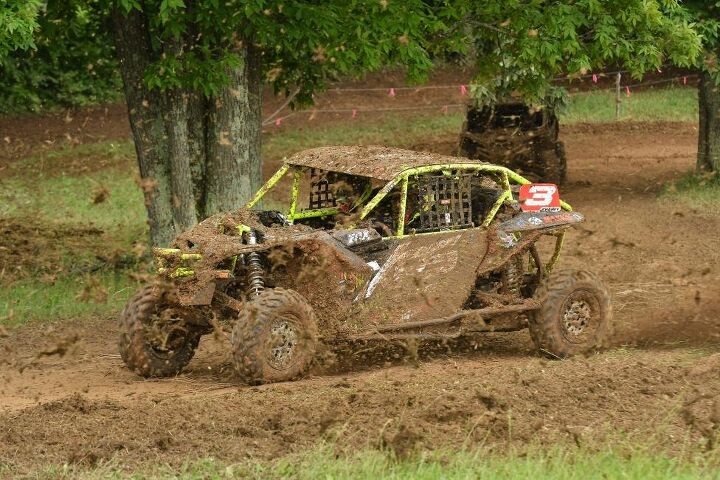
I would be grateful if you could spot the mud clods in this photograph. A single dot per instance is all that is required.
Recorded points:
(31, 248)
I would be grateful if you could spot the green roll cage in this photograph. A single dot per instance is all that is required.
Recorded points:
(503, 174)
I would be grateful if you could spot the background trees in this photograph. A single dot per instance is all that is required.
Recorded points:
(18, 21)
(193, 72)
(521, 46)
(707, 17)
(69, 61)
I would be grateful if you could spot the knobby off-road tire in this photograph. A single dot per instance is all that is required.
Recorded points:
(140, 348)
(575, 316)
(555, 164)
(275, 337)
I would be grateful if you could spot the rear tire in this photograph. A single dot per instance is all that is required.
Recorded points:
(150, 345)
(575, 314)
(275, 337)
(551, 165)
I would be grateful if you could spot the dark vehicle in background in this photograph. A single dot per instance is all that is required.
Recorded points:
(516, 136)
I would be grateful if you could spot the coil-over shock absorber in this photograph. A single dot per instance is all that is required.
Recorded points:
(512, 276)
(256, 274)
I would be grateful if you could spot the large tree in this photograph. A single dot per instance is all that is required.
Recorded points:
(194, 74)
(707, 16)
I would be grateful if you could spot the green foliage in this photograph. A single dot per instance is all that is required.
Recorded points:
(303, 43)
(706, 15)
(72, 61)
(521, 45)
(518, 45)
(18, 21)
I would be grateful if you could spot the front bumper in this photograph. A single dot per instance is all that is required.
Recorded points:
(174, 263)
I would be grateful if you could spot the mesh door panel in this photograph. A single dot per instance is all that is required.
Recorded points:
(321, 196)
(444, 201)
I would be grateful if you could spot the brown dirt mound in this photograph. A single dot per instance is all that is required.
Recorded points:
(30, 248)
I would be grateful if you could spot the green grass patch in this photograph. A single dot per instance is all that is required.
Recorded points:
(701, 192)
(675, 104)
(399, 131)
(65, 297)
(61, 186)
(69, 199)
(556, 463)
(81, 158)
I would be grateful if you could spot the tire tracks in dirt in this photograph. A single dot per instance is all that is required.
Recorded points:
(660, 260)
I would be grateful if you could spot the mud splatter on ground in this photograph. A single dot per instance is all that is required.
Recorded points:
(28, 247)
(85, 407)
(497, 393)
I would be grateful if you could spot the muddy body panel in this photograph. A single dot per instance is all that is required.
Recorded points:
(327, 274)
(308, 262)
(425, 277)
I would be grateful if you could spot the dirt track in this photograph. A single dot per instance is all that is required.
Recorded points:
(663, 267)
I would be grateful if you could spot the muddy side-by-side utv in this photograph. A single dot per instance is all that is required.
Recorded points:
(367, 243)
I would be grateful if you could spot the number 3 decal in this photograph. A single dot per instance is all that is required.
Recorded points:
(536, 197)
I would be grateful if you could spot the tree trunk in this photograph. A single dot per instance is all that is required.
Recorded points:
(708, 159)
(197, 113)
(197, 156)
(145, 109)
(234, 129)
(183, 196)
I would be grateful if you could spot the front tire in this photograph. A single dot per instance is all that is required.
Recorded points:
(275, 337)
(154, 342)
(575, 314)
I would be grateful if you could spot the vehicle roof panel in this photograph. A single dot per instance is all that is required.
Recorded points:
(382, 163)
